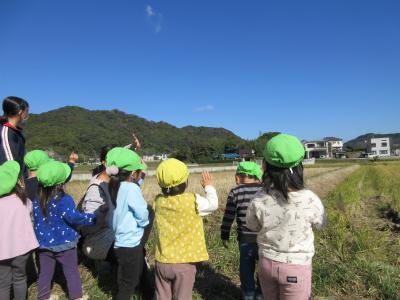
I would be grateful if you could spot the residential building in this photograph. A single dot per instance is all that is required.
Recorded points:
(380, 146)
(329, 147)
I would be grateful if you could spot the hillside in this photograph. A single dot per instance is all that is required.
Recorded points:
(360, 142)
(86, 131)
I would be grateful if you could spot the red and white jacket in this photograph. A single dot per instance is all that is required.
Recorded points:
(12, 145)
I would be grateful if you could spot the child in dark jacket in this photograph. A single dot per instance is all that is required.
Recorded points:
(54, 216)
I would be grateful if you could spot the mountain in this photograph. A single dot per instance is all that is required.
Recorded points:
(86, 131)
(361, 141)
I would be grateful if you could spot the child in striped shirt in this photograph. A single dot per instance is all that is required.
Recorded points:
(248, 180)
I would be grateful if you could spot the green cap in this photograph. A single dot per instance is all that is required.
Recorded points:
(53, 173)
(249, 168)
(171, 172)
(284, 151)
(125, 159)
(34, 159)
(9, 173)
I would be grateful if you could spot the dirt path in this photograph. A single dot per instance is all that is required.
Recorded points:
(323, 183)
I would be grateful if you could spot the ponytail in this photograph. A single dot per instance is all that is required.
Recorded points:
(99, 169)
(12, 106)
(115, 182)
(103, 154)
(48, 193)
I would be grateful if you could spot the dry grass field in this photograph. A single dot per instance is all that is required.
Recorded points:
(346, 191)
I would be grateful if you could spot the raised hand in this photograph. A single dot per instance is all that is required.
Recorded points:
(206, 179)
(135, 142)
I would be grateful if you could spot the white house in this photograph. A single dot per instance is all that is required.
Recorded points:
(328, 147)
(380, 146)
(155, 157)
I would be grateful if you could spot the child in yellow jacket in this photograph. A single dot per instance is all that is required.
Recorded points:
(179, 230)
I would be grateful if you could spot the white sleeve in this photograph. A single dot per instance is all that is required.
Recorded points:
(206, 205)
(319, 216)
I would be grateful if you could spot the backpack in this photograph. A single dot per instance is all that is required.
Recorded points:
(96, 245)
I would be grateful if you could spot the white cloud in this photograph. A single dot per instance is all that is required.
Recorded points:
(205, 108)
(149, 11)
(154, 18)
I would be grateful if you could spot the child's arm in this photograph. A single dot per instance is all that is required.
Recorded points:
(319, 216)
(138, 206)
(206, 205)
(72, 216)
(253, 217)
(72, 160)
(229, 216)
(135, 145)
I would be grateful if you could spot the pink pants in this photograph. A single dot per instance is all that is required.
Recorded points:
(284, 281)
(174, 281)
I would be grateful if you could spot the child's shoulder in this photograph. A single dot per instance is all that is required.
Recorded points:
(248, 188)
(305, 193)
(12, 199)
(130, 186)
(63, 199)
(183, 195)
(64, 196)
(261, 196)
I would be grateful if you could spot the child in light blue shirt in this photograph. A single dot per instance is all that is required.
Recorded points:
(124, 167)
(130, 216)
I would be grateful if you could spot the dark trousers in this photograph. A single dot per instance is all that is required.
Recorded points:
(13, 274)
(69, 262)
(248, 261)
(130, 269)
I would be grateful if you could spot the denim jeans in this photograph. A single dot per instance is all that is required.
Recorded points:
(248, 260)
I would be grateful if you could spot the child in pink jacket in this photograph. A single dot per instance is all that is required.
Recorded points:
(16, 232)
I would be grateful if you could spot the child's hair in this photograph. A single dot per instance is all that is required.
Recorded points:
(20, 192)
(12, 106)
(175, 190)
(48, 193)
(103, 154)
(115, 182)
(281, 179)
(243, 176)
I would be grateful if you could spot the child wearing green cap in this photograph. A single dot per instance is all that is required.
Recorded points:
(179, 229)
(54, 217)
(248, 179)
(130, 218)
(16, 232)
(284, 214)
(33, 160)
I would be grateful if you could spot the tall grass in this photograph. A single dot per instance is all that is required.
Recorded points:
(355, 258)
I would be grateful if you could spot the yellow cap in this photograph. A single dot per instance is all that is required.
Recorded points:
(172, 172)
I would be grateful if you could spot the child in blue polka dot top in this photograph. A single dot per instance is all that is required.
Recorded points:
(54, 216)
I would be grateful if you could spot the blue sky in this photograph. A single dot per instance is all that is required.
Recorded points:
(310, 68)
